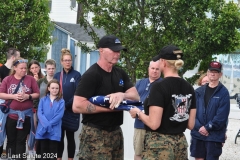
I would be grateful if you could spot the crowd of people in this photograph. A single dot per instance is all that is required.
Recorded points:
(41, 110)
(36, 105)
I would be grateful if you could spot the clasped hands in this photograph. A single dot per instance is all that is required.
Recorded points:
(203, 131)
(21, 97)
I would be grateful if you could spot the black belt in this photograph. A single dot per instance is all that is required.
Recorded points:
(105, 128)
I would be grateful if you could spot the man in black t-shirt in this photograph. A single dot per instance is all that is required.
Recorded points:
(11, 55)
(101, 136)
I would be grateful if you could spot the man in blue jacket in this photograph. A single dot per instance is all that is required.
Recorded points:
(213, 106)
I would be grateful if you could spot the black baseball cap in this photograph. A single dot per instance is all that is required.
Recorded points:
(170, 52)
(112, 42)
(215, 66)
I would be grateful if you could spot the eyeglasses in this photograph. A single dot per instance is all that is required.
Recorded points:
(147, 86)
(20, 61)
(67, 60)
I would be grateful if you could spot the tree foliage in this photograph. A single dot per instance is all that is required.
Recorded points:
(199, 28)
(25, 25)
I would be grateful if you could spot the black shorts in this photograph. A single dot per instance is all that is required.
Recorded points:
(205, 149)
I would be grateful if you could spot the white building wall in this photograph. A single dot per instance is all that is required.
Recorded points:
(62, 12)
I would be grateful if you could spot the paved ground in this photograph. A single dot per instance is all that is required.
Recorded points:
(231, 151)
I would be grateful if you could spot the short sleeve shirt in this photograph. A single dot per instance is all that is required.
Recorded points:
(95, 81)
(29, 86)
(176, 96)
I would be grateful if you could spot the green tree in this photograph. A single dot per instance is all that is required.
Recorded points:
(25, 25)
(199, 28)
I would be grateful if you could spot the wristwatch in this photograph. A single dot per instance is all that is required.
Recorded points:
(137, 114)
(30, 97)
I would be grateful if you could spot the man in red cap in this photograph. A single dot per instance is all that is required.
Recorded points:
(213, 106)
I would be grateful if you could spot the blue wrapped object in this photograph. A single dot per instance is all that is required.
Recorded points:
(125, 105)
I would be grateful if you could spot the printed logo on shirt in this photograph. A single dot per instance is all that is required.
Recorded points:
(121, 83)
(22, 88)
(72, 80)
(181, 105)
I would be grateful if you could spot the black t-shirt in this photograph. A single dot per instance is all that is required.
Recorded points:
(95, 81)
(176, 96)
(4, 72)
(208, 94)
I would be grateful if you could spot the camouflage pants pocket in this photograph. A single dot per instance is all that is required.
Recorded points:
(180, 148)
(157, 148)
(90, 142)
(160, 146)
(98, 144)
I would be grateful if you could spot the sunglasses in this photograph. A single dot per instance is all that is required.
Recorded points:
(20, 61)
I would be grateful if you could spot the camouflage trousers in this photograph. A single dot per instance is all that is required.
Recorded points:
(164, 147)
(96, 144)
